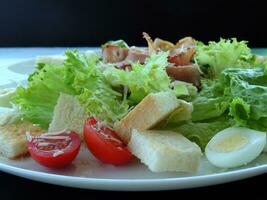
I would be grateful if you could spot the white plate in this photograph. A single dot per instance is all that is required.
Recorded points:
(86, 172)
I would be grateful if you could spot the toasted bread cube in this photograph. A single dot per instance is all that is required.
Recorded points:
(165, 151)
(69, 114)
(149, 112)
(13, 141)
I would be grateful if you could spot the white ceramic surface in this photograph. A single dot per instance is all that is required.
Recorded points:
(86, 172)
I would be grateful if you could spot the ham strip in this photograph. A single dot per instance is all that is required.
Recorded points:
(187, 73)
(187, 41)
(134, 55)
(113, 54)
(151, 46)
(182, 56)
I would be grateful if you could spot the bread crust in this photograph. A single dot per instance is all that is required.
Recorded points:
(13, 141)
(68, 114)
(149, 112)
(165, 151)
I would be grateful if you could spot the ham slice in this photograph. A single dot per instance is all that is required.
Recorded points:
(181, 67)
(187, 41)
(114, 54)
(151, 46)
(182, 55)
(134, 55)
(137, 54)
(186, 73)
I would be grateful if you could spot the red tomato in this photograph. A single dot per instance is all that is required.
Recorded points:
(104, 143)
(54, 150)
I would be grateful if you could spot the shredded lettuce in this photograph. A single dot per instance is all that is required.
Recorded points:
(93, 90)
(77, 76)
(217, 56)
(148, 78)
(142, 79)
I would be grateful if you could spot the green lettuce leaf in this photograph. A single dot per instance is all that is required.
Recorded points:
(242, 93)
(217, 56)
(248, 89)
(149, 78)
(183, 90)
(238, 97)
(78, 76)
(142, 79)
(240, 111)
(36, 101)
(210, 102)
(182, 113)
(201, 132)
(93, 90)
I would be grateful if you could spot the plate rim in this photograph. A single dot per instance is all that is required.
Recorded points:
(156, 184)
(223, 174)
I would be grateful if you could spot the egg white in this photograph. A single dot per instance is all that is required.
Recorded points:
(235, 146)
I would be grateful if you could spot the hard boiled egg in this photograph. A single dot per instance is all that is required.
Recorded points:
(235, 146)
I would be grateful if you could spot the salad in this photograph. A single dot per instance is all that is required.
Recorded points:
(222, 86)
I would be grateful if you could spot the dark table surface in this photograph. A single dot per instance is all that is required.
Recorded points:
(12, 187)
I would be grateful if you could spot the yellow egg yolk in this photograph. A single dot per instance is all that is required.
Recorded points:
(230, 143)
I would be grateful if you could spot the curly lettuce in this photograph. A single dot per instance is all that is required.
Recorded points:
(77, 76)
(217, 56)
(36, 101)
(147, 78)
(142, 79)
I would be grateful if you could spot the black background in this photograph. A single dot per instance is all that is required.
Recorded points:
(92, 22)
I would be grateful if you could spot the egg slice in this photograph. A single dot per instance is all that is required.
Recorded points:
(235, 146)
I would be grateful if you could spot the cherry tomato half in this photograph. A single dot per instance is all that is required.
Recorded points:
(54, 149)
(104, 143)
